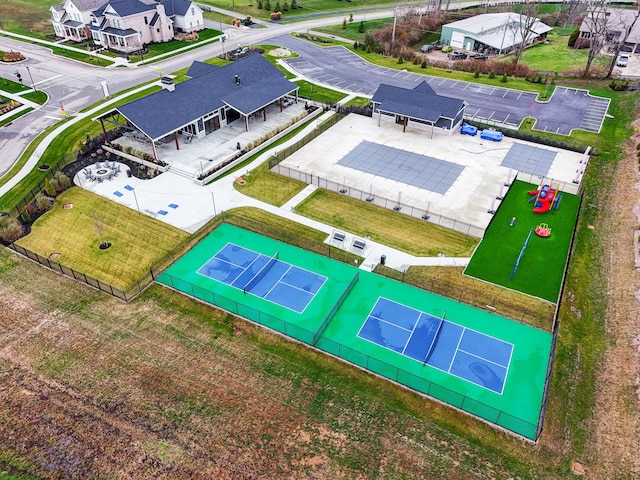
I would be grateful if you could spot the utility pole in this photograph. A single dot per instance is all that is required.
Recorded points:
(32, 82)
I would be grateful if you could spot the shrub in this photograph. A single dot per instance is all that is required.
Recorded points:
(56, 186)
(368, 50)
(26, 218)
(260, 4)
(400, 59)
(361, 27)
(344, 23)
(355, 45)
(573, 38)
(285, 6)
(43, 203)
(424, 64)
(49, 188)
(350, 17)
(63, 180)
(492, 74)
(267, 5)
(476, 74)
(294, 4)
(504, 78)
(11, 230)
(416, 61)
(277, 8)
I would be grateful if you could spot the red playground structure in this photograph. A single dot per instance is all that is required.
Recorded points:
(546, 198)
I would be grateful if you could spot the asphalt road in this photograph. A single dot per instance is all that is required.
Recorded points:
(337, 67)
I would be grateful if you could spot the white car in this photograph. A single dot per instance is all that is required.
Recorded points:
(623, 60)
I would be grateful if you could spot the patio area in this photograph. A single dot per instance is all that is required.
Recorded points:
(198, 155)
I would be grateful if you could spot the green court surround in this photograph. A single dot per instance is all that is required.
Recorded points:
(517, 409)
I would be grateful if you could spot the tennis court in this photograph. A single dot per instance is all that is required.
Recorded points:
(263, 276)
(476, 361)
(465, 353)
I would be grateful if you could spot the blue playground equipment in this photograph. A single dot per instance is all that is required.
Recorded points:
(524, 247)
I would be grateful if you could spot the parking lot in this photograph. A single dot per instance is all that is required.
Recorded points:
(339, 68)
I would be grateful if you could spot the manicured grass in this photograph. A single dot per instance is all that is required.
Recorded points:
(13, 117)
(138, 241)
(396, 230)
(352, 30)
(541, 267)
(11, 86)
(556, 56)
(269, 187)
(81, 56)
(317, 93)
(38, 97)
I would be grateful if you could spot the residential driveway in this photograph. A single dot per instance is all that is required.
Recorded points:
(337, 67)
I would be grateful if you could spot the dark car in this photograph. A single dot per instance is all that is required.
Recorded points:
(480, 56)
(437, 45)
(426, 48)
(457, 55)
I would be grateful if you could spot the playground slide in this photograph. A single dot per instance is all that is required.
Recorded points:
(544, 207)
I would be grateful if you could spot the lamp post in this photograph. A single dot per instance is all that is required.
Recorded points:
(32, 82)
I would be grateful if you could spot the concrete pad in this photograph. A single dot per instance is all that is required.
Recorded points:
(466, 202)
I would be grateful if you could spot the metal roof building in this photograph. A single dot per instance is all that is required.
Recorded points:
(496, 32)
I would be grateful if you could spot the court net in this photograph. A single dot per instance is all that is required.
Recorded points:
(435, 339)
(261, 273)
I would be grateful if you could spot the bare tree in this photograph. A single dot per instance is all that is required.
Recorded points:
(524, 26)
(596, 30)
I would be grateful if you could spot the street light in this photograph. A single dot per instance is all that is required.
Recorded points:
(32, 82)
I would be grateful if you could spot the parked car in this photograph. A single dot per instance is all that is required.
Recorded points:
(457, 55)
(623, 60)
(480, 56)
(437, 45)
(447, 48)
(426, 48)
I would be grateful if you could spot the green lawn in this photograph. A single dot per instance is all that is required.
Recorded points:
(541, 267)
(73, 234)
(396, 230)
(556, 56)
(269, 187)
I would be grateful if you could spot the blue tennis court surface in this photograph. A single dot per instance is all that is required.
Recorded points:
(454, 349)
(266, 277)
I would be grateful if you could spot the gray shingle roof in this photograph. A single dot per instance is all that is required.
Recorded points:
(119, 32)
(164, 112)
(124, 8)
(85, 5)
(176, 7)
(416, 103)
(199, 68)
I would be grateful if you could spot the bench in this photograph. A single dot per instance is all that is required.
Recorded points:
(339, 236)
(359, 244)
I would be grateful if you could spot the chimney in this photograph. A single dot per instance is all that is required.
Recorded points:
(237, 80)
(167, 84)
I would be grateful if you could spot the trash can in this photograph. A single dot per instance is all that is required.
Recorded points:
(383, 259)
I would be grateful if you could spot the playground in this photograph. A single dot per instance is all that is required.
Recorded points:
(527, 245)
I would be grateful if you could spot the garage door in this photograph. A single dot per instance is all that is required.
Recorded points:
(457, 39)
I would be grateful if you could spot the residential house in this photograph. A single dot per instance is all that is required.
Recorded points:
(493, 32)
(420, 105)
(614, 26)
(71, 18)
(127, 25)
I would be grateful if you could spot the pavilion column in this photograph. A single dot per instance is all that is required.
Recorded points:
(104, 132)
(153, 148)
(175, 137)
(246, 123)
(404, 124)
(281, 102)
(264, 114)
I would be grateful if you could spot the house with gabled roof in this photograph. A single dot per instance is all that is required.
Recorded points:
(71, 18)
(420, 105)
(211, 99)
(127, 25)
